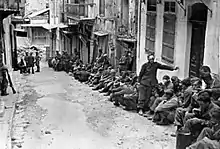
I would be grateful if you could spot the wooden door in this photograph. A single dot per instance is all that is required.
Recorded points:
(197, 49)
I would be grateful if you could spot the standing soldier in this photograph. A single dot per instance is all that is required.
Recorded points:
(3, 79)
(37, 61)
(31, 63)
(125, 61)
(148, 80)
(26, 61)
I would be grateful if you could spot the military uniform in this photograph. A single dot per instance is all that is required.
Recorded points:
(147, 79)
(37, 61)
(3, 80)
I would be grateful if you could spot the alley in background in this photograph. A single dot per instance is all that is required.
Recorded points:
(57, 111)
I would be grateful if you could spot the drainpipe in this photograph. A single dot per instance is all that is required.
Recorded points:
(139, 32)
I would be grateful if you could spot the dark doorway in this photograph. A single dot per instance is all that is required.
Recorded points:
(198, 20)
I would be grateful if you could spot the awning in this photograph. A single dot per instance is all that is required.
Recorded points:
(100, 33)
(67, 32)
(34, 14)
(127, 39)
(33, 25)
(20, 32)
(49, 26)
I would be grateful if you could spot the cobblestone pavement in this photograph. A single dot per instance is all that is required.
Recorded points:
(56, 112)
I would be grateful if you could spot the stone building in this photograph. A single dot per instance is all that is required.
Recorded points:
(109, 25)
(7, 8)
(182, 33)
(115, 28)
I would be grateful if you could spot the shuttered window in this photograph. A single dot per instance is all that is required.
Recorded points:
(150, 32)
(151, 26)
(169, 30)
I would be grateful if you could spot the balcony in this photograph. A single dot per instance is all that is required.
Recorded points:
(80, 11)
(9, 5)
(124, 34)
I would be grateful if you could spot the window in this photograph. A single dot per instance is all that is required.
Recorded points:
(39, 33)
(170, 7)
(150, 32)
(168, 37)
(102, 7)
(151, 5)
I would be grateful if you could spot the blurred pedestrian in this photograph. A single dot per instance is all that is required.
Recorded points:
(31, 63)
(26, 61)
(37, 61)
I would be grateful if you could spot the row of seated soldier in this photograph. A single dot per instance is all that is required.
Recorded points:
(187, 104)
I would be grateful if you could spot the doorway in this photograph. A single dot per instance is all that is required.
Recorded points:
(198, 21)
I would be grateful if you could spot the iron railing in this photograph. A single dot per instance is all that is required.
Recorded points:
(80, 11)
(9, 5)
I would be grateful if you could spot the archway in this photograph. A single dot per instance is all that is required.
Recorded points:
(198, 20)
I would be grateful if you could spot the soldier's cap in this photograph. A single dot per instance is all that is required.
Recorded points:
(206, 69)
(169, 91)
(166, 77)
(186, 82)
(174, 78)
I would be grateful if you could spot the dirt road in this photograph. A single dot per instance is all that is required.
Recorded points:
(58, 112)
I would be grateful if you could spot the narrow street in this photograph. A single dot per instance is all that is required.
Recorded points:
(57, 112)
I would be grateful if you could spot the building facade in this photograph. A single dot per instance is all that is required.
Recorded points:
(7, 8)
(183, 33)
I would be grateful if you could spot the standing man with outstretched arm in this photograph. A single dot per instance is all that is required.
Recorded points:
(147, 80)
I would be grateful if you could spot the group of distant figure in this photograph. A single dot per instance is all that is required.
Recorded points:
(192, 107)
(28, 62)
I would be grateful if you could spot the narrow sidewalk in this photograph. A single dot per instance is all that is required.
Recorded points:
(7, 117)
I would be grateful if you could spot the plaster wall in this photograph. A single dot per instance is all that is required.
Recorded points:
(182, 39)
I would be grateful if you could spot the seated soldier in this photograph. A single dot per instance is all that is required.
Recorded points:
(182, 112)
(84, 75)
(196, 121)
(157, 92)
(177, 88)
(212, 83)
(125, 89)
(129, 101)
(165, 111)
(109, 81)
(167, 83)
(209, 138)
(104, 79)
(76, 73)
(96, 78)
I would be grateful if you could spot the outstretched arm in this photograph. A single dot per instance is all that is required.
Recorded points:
(166, 67)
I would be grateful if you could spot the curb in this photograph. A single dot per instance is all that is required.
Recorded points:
(16, 83)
